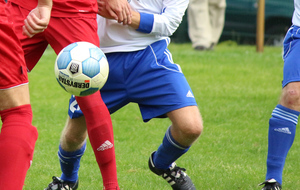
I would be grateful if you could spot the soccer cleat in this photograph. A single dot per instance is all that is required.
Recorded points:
(175, 176)
(271, 184)
(59, 184)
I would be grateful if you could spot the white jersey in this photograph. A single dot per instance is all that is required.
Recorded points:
(159, 20)
(296, 15)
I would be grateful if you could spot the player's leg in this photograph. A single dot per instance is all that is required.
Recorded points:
(98, 118)
(165, 92)
(282, 130)
(186, 125)
(185, 129)
(100, 131)
(282, 124)
(72, 145)
(71, 148)
(72, 141)
(17, 136)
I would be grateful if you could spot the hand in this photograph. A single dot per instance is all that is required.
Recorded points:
(115, 9)
(37, 20)
(102, 11)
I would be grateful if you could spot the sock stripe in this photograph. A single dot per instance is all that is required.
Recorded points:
(280, 113)
(60, 155)
(170, 139)
(69, 155)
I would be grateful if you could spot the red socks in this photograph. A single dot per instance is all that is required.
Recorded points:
(17, 141)
(18, 137)
(100, 132)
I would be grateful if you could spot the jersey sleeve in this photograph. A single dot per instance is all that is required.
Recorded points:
(165, 23)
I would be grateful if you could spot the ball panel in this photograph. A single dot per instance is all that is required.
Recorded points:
(63, 60)
(96, 53)
(70, 47)
(80, 53)
(90, 67)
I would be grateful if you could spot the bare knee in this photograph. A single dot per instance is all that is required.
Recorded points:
(192, 130)
(290, 97)
(187, 133)
(73, 139)
(187, 124)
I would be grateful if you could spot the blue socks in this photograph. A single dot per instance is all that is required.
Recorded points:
(70, 163)
(282, 129)
(168, 152)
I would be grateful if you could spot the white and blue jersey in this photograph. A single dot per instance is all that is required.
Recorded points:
(291, 49)
(159, 20)
(296, 15)
(141, 67)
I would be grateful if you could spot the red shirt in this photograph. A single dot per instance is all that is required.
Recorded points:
(64, 8)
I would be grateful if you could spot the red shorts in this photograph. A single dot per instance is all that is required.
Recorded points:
(59, 33)
(12, 65)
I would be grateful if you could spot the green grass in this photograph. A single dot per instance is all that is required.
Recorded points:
(236, 89)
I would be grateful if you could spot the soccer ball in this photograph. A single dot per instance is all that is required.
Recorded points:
(81, 68)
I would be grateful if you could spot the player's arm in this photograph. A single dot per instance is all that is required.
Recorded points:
(38, 19)
(115, 9)
(163, 24)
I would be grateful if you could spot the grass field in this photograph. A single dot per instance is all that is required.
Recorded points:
(236, 89)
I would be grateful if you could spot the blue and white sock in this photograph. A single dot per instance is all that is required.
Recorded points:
(70, 163)
(168, 152)
(282, 129)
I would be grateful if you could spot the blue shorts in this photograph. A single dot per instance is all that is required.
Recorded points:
(291, 49)
(147, 77)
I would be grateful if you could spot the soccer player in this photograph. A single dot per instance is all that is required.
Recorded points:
(72, 21)
(142, 71)
(282, 124)
(18, 136)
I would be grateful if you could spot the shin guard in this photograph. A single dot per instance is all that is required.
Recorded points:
(100, 133)
(17, 141)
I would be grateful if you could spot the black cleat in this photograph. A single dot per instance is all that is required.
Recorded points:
(271, 184)
(58, 184)
(175, 176)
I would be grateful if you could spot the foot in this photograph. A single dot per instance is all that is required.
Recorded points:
(200, 48)
(175, 176)
(271, 184)
(204, 48)
(59, 184)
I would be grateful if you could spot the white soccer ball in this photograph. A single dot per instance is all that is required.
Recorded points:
(81, 68)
